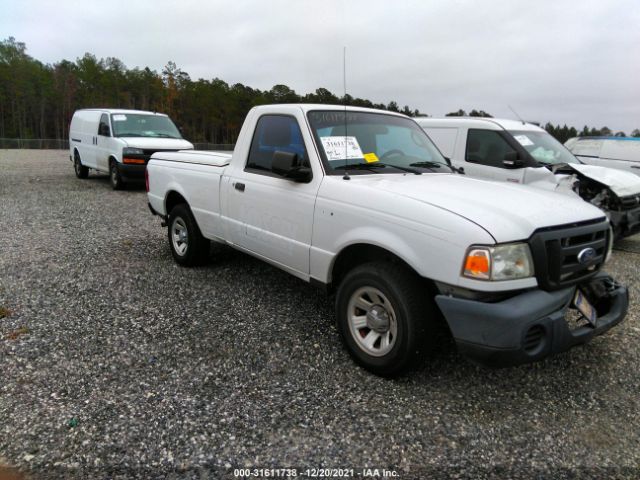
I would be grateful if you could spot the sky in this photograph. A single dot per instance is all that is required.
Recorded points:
(550, 60)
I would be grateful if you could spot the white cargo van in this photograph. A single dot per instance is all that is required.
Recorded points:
(519, 152)
(622, 153)
(120, 142)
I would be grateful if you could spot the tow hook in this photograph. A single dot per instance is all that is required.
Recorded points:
(610, 284)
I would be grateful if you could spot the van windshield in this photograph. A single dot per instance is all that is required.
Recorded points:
(544, 148)
(371, 143)
(141, 125)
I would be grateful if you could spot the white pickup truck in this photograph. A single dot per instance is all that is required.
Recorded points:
(360, 202)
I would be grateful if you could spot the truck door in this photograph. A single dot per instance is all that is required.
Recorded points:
(272, 216)
(485, 155)
(103, 137)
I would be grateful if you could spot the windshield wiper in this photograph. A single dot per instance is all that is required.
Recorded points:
(373, 165)
(360, 166)
(427, 164)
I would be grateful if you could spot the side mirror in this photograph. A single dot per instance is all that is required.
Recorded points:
(287, 165)
(511, 160)
(104, 130)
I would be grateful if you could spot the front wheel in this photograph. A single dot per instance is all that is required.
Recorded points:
(385, 317)
(188, 246)
(81, 170)
(114, 176)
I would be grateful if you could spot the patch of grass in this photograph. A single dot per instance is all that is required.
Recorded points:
(17, 333)
(4, 312)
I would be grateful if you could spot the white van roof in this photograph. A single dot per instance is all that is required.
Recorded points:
(478, 122)
(121, 111)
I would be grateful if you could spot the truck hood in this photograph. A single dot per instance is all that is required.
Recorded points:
(620, 182)
(508, 213)
(157, 143)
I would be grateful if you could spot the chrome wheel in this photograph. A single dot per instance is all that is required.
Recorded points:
(179, 236)
(372, 321)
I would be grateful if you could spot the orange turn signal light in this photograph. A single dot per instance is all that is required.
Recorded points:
(138, 161)
(477, 264)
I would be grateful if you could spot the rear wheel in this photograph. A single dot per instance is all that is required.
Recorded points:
(114, 176)
(385, 317)
(81, 170)
(188, 246)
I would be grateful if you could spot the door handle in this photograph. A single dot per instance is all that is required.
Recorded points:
(239, 186)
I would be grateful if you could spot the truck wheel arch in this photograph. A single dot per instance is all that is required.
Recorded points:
(172, 199)
(360, 253)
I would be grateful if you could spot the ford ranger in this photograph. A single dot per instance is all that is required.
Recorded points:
(360, 202)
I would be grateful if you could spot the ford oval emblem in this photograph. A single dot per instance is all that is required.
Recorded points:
(586, 255)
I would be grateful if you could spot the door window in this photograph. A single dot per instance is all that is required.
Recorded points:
(103, 126)
(487, 147)
(275, 133)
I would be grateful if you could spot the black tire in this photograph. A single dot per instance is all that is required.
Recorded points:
(114, 176)
(81, 170)
(196, 247)
(415, 317)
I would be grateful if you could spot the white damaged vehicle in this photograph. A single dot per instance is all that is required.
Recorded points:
(520, 152)
(621, 153)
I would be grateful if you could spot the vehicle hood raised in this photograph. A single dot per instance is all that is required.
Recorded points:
(620, 182)
(508, 213)
(157, 143)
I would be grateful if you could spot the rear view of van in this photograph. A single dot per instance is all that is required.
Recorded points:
(120, 142)
(622, 153)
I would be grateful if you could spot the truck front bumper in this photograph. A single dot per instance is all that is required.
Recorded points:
(131, 172)
(532, 325)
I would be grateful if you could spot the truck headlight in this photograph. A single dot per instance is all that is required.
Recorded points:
(132, 151)
(501, 262)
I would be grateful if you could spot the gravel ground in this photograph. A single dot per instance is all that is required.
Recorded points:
(117, 363)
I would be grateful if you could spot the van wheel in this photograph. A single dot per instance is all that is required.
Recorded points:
(188, 246)
(81, 170)
(385, 317)
(114, 176)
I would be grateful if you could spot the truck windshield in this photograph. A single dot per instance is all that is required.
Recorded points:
(373, 143)
(544, 148)
(141, 125)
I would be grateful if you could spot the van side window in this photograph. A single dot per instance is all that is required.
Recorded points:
(103, 126)
(487, 147)
(275, 133)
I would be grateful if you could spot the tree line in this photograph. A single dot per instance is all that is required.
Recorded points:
(38, 100)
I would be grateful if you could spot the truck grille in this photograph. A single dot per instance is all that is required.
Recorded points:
(555, 253)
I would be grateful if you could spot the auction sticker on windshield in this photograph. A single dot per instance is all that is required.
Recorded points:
(336, 147)
(119, 118)
(523, 140)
